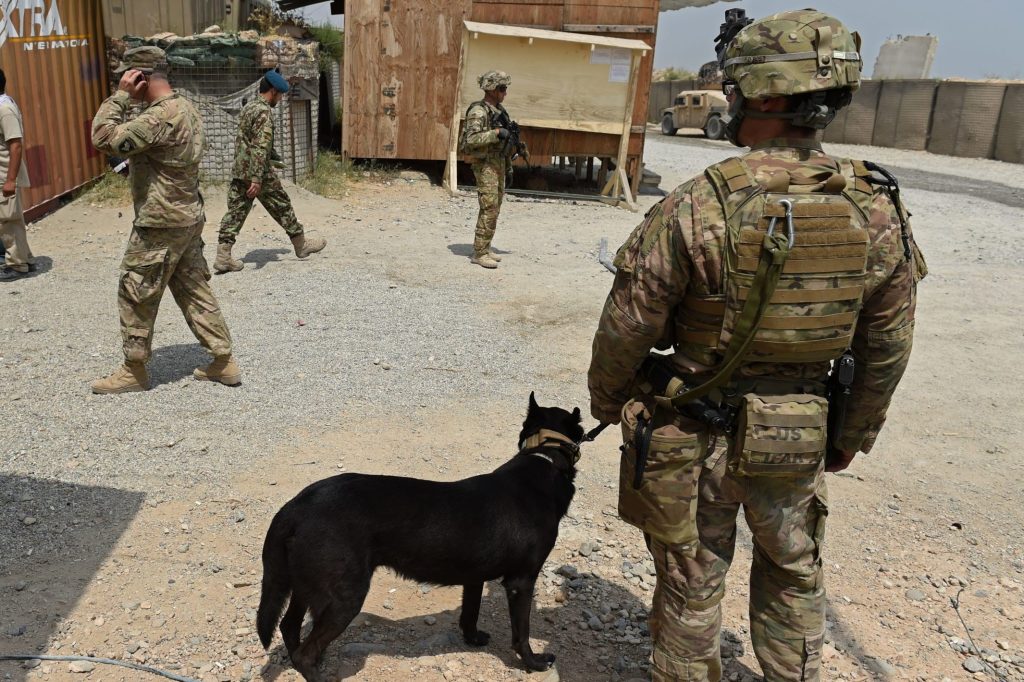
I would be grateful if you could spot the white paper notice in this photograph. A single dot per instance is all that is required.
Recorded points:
(601, 55)
(618, 73)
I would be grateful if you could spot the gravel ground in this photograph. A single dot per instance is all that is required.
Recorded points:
(132, 525)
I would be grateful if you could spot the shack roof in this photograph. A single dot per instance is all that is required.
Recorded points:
(561, 36)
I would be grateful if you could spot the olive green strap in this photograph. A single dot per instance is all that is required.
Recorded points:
(774, 251)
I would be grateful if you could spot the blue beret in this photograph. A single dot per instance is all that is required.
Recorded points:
(276, 81)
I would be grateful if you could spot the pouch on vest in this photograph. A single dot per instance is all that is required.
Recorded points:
(665, 504)
(783, 435)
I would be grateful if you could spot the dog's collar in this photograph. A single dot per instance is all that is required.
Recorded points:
(547, 438)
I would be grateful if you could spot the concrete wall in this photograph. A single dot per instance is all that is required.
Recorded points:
(905, 57)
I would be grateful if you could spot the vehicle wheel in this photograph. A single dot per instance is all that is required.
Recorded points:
(667, 125)
(714, 129)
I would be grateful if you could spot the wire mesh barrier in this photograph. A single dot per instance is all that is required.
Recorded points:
(219, 93)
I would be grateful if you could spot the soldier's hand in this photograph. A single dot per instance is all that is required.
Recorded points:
(842, 460)
(10, 188)
(254, 189)
(502, 134)
(134, 83)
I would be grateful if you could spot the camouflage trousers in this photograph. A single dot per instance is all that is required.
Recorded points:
(490, 188)
(274, 199)
(158, 258)
(786, 517)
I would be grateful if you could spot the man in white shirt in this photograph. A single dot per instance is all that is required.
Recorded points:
(19, 260)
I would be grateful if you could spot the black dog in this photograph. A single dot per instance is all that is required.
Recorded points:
(323, 545)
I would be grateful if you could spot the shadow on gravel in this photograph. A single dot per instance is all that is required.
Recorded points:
(42, 266)
(411, 638)
(466, 250)
(461, 249)
(54, 537)
(172, 363)
(260, 257)
(844, 639)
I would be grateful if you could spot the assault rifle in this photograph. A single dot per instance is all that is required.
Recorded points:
(735, 21)
(513, 142)
(837, 391)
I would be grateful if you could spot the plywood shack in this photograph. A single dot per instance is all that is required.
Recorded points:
(402, 60)
(566, 82)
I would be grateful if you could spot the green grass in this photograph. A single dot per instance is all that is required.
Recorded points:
(333, 175)
(110, 190)
(332, 44)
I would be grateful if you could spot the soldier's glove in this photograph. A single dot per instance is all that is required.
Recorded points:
(839, 460)
(502, 134)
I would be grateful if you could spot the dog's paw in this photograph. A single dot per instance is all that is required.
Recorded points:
(540, 662)
(478, 638)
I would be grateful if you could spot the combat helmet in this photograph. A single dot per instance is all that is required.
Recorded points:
(492, 79)
(803, 53)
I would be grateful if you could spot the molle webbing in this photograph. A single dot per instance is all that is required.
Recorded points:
(812, 312)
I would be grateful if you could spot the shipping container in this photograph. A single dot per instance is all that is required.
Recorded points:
(402, 59)
(52, 53)
(184, 17)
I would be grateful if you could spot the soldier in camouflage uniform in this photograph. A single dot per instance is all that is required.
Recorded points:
(164, 145)
(254, 178)
(485, 140)
(680, 283)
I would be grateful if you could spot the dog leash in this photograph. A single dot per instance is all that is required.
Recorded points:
(594, 432)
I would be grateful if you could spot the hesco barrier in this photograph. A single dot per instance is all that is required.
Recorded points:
(52, 54)
(966, 118)
(1010, 133)
(982, 119)
(904, 114)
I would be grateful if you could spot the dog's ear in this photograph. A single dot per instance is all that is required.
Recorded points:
(533, 403)
(577, 415)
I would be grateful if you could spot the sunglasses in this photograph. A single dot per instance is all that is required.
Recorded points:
(728, 87)
(502, 88)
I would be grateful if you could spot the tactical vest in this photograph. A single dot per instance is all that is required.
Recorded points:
(813, 311)
(463, 147)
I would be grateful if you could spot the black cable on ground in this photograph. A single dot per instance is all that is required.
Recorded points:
(103, 661)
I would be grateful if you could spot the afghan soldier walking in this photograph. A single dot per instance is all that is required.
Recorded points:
(254, 178)
(164, 145)
(486, 141)
(759, 272)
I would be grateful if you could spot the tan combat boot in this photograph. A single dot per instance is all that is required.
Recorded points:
(304, 246)
(223, 370)
(128, 378)
(224, 262)
(494, 256)
(484, 260)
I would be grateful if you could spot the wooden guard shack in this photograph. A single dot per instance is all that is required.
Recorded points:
(401, 73)
(566, 84)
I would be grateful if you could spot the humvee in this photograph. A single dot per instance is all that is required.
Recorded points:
(704, 109)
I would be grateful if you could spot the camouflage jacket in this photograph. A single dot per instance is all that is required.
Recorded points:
(254, 146)
(164, 144)
(479, 137)
(679, 247)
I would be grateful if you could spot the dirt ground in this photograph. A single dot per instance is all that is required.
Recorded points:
(103, 555)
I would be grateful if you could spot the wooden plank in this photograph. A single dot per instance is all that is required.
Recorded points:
(362, 57)
(476, 27)
(620, 182)
(451, 166)
(608, 28)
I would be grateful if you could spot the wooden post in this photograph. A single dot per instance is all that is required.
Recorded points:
(451, 167)
(619, 183)
(590, 169)
(579, 167)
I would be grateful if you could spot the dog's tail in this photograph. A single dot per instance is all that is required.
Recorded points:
(277, 584)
